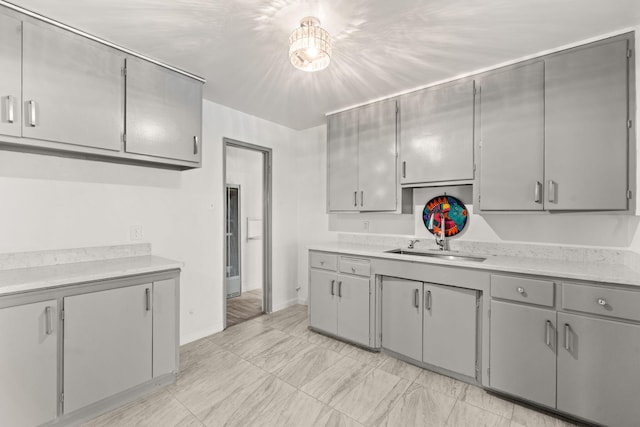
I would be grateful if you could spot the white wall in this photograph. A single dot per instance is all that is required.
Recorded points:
(50, 202)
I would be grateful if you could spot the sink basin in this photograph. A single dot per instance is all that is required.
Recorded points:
(439, 255)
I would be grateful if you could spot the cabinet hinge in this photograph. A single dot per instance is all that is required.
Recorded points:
(629, 194)
(61, 397)
(474, 168)
(124, 138)
(629, 124)
(61, 314)
(124, 71)
(489, 372)
(489, 313)
(629, 53)
(474, 90)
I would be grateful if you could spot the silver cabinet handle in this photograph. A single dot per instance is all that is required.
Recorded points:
(547, 337)
(361, 198)
(355, 198)
(602, 301)
(521, 290)
(427, 304)
(404, 169)
(48, 314)
(147, 297)
(552, 192)
(537, 192)
(416, 298)
(195, 145)
(340, 289)
(567, 331)
(32, 113)
(9, 106)
(333, 282)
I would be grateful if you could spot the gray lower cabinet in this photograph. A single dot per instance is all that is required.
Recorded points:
(599, 369)
(29, 364)
(164, 112)
(450, 328)
(107, 343)
(586, 112)
(523, 351)
(436, 133)
(72, 89)
(402, 317)
(166, 336)
(512, 138)
(323, 301)
(10, 76)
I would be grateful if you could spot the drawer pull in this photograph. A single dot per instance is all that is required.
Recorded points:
(340, 289)
(602, 301)
(547, 337)
(49, 319)
(416, 298)
(427, 304)
(9, 106)
(333, 282)
(521, 290)
(567, 331)
(32, 122)
(147, 299)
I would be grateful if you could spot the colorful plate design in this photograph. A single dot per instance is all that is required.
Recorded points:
(454, 212)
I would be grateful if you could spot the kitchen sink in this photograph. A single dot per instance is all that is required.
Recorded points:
(439, 255)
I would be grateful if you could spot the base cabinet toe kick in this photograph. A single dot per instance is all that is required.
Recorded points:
(73, 352)
(568, 346)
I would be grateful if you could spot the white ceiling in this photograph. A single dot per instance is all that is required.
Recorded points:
(381, 47)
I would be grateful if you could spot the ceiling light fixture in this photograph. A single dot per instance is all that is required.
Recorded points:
(310, 46)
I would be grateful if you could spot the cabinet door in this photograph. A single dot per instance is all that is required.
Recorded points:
(586, 93)
(353, 308)
(599, 369)
(342, 161)
(436, 132)
(165, 327)
(72, 89)
(107, 344)
(164, 112)
(450, 329)
(29, 364)
(512, 138)
(402, 317)
(522, 355)
(377, 157)
(10, 75)
(323, 301)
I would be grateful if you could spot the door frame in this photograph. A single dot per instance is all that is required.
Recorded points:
(240, 245)
(267, 158)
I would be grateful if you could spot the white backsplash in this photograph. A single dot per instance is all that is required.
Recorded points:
(10, 261)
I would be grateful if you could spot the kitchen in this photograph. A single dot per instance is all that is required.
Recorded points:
(52, 202)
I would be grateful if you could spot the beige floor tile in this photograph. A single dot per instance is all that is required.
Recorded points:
(467, 415)
(419, 406)
(333, 418)
(304, 369)
(239, 332)
(251, 347)
(302, 410)
(197, 351)
(399, 368)
(525, 417)
(329, 343)
(372, 358)
(478, 397)
(344, 374)
(441, 383)
(369, 400)
(158, 409)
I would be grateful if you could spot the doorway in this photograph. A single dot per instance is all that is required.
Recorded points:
(247, 228)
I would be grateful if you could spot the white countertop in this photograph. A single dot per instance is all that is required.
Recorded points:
(51, 276)
(589, 271)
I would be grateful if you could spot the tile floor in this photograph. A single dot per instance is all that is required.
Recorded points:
(273, 371)
(244, 307)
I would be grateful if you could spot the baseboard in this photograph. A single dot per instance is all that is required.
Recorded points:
(282, 306)
(194, 336)
(303, 301)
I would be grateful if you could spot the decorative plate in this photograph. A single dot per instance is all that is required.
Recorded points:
(454, 212)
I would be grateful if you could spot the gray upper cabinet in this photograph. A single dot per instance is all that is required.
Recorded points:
(362, 158)
(523, 351)
(107, 344)
(10, 76)
(402, 317)
(342, 162)
(598, 369)
(73, 89)
(29, 363)
(450, 328)
(164, 112)
(436, 134)
(511, 113)
(586, 144)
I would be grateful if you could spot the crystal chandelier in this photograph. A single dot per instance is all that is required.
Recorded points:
(310, 46)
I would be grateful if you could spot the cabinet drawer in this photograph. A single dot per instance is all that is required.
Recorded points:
(522, 289)
(603, 301)
(324, 261)
(357, 266)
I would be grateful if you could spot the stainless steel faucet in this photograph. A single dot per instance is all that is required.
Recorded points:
(442, 241)
(413, 242)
